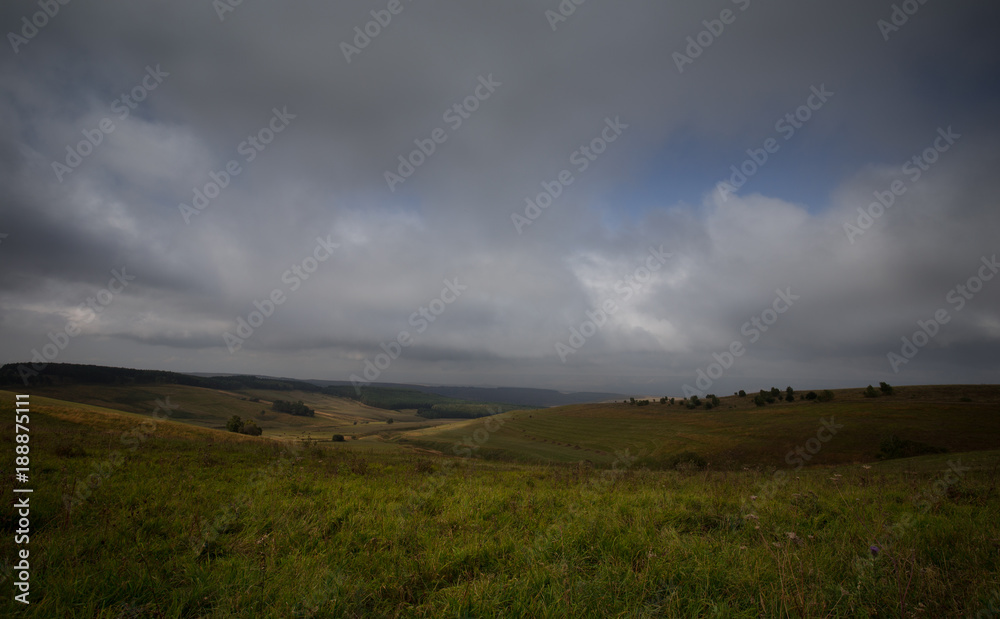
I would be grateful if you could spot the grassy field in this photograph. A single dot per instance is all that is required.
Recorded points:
(737, 433)
(211, 408)
(183, 521)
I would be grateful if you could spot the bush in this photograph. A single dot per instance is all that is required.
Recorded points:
(695, 402)
(338, 438)
(687, 460)
(235, 424)
(811, 395)
(708, 406)
(775, 392)
(886, 388)
(713, 398)
(758, 400)
(895, 447)
(870, 392)
(789, 394)
(825, 396)
(390, 421)
(293, 408)
(251, 429)
(743, 394)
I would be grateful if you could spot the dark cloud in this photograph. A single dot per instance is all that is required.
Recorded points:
(551, 93)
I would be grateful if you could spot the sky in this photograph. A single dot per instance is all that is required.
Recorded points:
(639, 197)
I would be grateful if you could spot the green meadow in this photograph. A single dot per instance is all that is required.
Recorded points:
(578, 511)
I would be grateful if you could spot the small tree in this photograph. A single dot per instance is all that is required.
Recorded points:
(389, 421)
(870, 392)
(811, 395)
(695, 401)
(251, 428)
(789, 394)
(775, 392)
(825, 396)
(235, 424)
(338, 438)
(758, 400)
(743, 394)
(886, 388)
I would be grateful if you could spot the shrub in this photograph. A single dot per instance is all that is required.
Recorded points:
(695, 401)
(687, 460)
(870, 392)
(390, 421)
(775, 392)
(338, 438)
(886, 388)
(825, 396)
(708, 406)
(251, 429)
(743, 394)
(235, 424)
(811, 395)
(895, 447)
(789, 394)
(293, 408)
(758, 400)
(713, 398)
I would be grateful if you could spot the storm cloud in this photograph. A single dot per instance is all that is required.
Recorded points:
(601, 195)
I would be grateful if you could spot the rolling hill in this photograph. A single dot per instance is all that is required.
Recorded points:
(735, 434)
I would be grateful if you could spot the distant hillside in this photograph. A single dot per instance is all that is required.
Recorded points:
(541, 398)
(64, 376)
(71, 373)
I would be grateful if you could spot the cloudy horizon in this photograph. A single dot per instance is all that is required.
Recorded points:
(627, 197)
